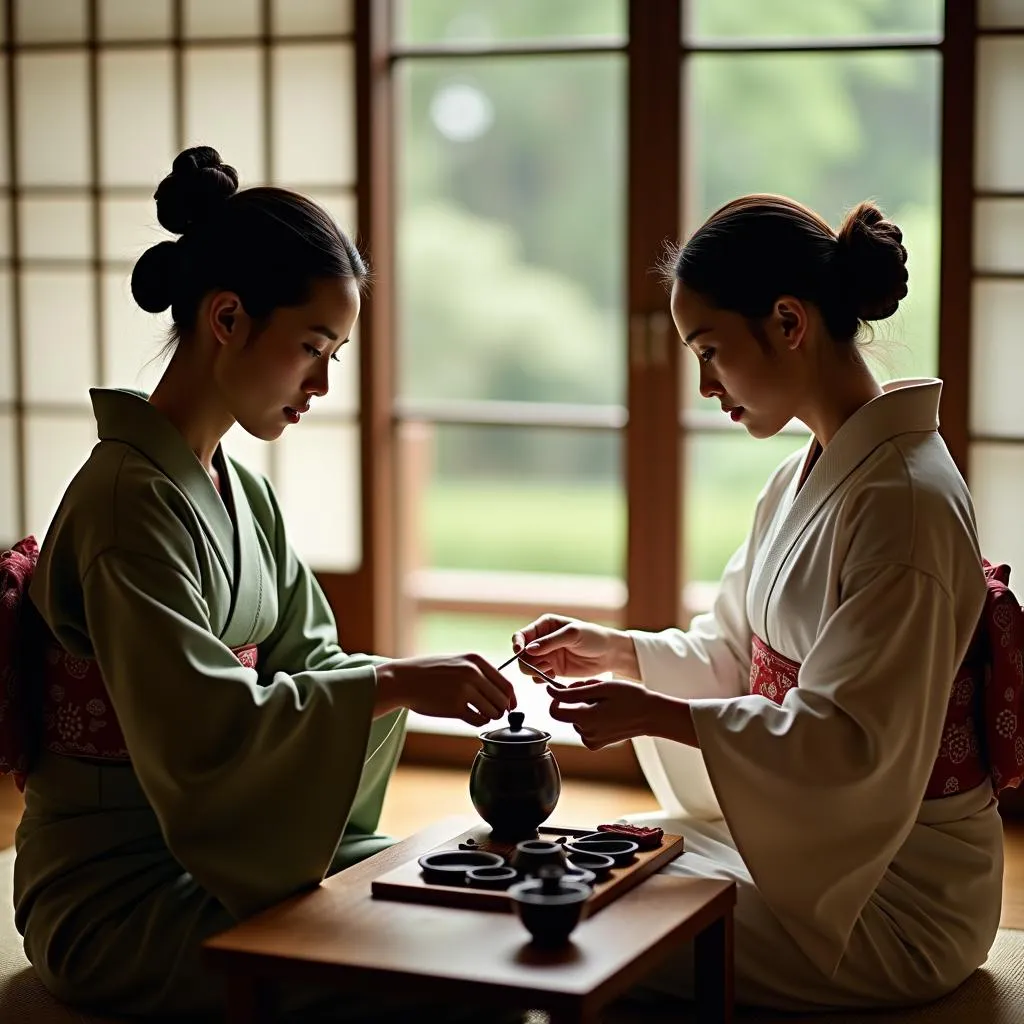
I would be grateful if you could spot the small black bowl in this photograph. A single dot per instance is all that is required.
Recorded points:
(491, 877)
(550, 916)
(449, 867)
(532, 854)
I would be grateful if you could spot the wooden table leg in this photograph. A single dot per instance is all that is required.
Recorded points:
(713, 972)
(249, 1000)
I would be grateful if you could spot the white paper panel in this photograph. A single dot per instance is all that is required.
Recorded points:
(5, 171)
(58, 340)
(10, 529)
(214, 19)
(132, 338)
(134, 19)
(128, 227)
(57, 447)
(137, 141)
(319, 491)
(997, 359)
(314, 114)
(5, 228)
(999, 162)
(223, 109)
(999, 235)
(49, 21)
(53, 119)
(996, 476)
(252, 452)
(55, 228)
(1000, 13)
(6, 336)
(311, 17)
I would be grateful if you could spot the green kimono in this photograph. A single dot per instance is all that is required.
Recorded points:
(244, 786)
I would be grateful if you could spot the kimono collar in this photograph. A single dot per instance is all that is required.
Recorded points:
(905, 406)
(129, 417)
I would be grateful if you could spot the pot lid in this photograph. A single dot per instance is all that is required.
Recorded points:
(516, 732)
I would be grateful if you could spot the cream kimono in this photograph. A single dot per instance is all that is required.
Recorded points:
(244, 785)
(853, 889)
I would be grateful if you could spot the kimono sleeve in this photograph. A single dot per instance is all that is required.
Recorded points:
(252, 784)
(821, 791)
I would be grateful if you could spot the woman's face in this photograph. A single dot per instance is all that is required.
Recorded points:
(757, 380)
(268, 374)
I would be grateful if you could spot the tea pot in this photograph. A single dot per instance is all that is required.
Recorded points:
(514, 782)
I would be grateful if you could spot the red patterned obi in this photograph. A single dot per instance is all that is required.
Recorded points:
(78, 719)
(983, 735)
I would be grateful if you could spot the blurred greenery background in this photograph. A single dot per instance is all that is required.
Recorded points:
(512, 230)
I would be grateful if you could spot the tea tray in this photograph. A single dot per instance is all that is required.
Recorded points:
(406, 883)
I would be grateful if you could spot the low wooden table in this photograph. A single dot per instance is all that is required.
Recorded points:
(338, 935)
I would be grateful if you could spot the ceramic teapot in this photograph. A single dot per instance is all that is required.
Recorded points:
(514, 783)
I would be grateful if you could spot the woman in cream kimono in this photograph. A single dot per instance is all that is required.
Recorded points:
(229, 752)
(865, 877)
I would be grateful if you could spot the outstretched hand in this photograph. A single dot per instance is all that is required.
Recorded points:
(569, 648)
(605, 711)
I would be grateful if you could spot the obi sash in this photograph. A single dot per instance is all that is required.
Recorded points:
(78, 719)
(983, 734)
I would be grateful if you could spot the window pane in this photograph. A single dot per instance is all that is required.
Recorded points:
(311, 17)
(223, 19)
(824, 19)
(223, 108)
(526, 499)
(9, 527)
(130, 19)
(49, 21)
(5, 228)
(497, 21)
(129, 227)
(724, 474)
(999, 160)
(58, 340)
(314, 114)
(135, 91)
(55, 228)
(56, 448)
(997, 358)
(862, 125)
(53, 119)
(1001, 13)
(491, 636)
(511, 229)
(6, 336)
(321, 457)
(999, 235)
(997, 486)
(5, 156)
(132, 338)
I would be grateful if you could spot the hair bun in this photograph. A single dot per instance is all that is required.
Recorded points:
(154, 276)
(872, 262)
(197, 184)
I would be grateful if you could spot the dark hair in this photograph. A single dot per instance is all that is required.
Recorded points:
(266, 244)
(759, 247)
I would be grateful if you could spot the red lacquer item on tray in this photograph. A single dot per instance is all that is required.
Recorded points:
(645, 838)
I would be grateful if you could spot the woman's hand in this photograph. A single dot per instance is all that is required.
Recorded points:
(572, 648)
(610, 711)
(462, 686)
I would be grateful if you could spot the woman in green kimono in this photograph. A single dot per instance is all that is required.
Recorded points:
(209, 747)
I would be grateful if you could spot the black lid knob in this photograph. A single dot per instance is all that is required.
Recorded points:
(515, 720)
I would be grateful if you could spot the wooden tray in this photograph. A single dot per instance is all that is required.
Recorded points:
(406, 882)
